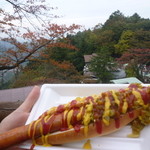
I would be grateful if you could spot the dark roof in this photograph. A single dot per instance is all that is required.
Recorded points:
(87, 58)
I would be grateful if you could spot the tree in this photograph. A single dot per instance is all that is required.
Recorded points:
(136, 58)
(126, 42)
(104, 40)
(135, 18)
(27, 41)
(47, 71)
(116, 23)
(101, 65)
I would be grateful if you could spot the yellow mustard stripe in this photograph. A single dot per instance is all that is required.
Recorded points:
(87, 117)
(46, 140)
(88, 112)
(65, 112)
(29, 129)
(66, 106)
(86, 128)
(79, 115)
(79, 99)
(106, 111)
(116, 98)
(43, 139)
(124, 107)
(138, 97)
(46, 118)
(34, 128)
(51, 111)
(69, 116)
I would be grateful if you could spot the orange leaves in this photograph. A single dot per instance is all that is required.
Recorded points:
(29, 39)
(63, 65)
(62, 45)
(61, 29)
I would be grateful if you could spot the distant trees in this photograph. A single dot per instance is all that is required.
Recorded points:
(133, 39)
(50, 48)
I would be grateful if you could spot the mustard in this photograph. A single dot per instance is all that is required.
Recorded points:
(50, 111)
(124, 107)
(87, 145)
(87, 117)
(79, 115)
(116, 98)
(46, 141)
(138, 97)
(134, 135)
(79, 99)
(69, 116)
(86, 129)
(106, 111)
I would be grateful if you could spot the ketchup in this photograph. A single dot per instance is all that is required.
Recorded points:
(89, 98)
(117, 122)
(145, 96)
(73, 104)
(47, 125)
(74, 115)
(60, 109)
(99, 126)
(32, 147)
(77, 127)
(64, 125)
(131, 114)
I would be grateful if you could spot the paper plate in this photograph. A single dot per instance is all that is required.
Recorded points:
(56, 94)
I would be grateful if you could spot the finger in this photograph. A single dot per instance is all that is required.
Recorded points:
(30, 100)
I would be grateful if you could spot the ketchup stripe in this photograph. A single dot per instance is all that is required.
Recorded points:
(99, 126)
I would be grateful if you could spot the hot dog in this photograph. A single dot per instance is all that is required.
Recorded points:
(94, 115)
(90, 116)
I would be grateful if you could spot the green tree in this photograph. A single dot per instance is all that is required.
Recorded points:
(126, 42)
(105, 40)
(101, 65)
(116, 23)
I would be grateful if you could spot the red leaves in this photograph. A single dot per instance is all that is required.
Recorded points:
(63, 65)
(139, 55)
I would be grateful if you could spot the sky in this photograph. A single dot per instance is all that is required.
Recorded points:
(89, 13)
(92, 12)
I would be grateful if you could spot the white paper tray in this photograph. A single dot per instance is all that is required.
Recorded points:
(55, 94)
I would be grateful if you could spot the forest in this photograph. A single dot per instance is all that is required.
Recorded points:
(55, 54)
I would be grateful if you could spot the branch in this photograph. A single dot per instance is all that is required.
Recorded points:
(24, 59)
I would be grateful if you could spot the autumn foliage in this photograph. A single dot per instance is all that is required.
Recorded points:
(140, 56)
(27, 40)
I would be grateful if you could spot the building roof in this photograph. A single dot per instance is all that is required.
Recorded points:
(87, 58)
(126, 81)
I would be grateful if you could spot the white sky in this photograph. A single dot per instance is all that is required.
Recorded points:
(91, 12)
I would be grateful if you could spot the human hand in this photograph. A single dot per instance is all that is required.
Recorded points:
(19, 116)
